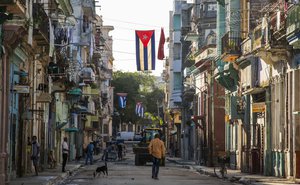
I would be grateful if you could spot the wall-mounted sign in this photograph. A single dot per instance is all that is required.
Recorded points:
(44, 98)
(22, 89)
(259, 107)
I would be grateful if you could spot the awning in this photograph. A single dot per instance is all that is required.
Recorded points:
(79, 109)
(173, 132)
(21, 73)
(72, 129)
(75, 91)
(255, 90)
(60, 125)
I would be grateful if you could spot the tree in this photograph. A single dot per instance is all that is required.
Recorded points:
(140, 87)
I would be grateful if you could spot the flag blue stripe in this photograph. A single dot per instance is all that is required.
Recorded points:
(153, 51)
(146, 58)
(137, 49)
(122, 101)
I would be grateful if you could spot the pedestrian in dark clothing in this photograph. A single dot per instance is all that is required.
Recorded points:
(89, 153)
(65, 153)
(157, 150)
(120, 151)
(35, 155)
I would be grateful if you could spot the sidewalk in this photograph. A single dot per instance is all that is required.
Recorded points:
(234, 175)
(51, 176)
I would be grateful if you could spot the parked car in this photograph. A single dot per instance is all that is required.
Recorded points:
(137, 137)
(126, 136)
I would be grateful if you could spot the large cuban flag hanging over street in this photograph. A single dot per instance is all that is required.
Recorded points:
(145, 50)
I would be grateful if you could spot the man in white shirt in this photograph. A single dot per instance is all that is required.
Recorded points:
(65, 153)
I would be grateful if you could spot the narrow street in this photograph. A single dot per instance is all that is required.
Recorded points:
(125, 172)
(216, 80)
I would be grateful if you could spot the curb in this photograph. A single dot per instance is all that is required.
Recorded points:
(241, 180)
(63, 176)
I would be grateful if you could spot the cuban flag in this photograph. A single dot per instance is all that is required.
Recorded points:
(139, 109)
(122, 99)
(145, 50)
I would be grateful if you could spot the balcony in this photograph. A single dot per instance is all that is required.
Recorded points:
(40, 25)
(87, 75)
(277, 25)
(191, 36)
(188, 94)
(17, 7)
(259, 39)
(269, 38)
(185, 30)
(246, 46)
(208, 52)
(228, 77)
(293, 26)
(88, 7)
(65, 6)
(231, 46)
(188, 71)
(105, 74)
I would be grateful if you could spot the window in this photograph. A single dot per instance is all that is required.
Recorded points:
(123, 127)
(212, 7)
(95, 124)
(177, 81)
(105, 129)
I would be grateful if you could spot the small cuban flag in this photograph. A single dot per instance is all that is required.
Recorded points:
(122, 100)
(139, 109)
(145, 50)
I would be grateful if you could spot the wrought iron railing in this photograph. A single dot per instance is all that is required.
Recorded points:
(40, 20)
(231, 43)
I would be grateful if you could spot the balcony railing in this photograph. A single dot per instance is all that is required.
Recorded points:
(293, 26)
(293, 20)
(259, 37)
(231, 46)
(277, 25)
(40, 24)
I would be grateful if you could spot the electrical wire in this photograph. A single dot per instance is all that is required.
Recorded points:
(127, 22)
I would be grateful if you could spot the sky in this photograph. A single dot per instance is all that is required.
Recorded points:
(128, 16)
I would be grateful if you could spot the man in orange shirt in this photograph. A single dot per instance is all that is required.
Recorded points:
(157, 150)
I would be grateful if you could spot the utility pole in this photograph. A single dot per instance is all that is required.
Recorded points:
(212, 120)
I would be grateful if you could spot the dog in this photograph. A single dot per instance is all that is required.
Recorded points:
(101, 169)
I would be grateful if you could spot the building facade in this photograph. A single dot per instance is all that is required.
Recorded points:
(55, 57)
(254, 59)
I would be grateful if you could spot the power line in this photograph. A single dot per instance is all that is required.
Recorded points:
(116, 20)
(123, 52)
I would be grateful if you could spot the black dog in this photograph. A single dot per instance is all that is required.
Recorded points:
(100, 169)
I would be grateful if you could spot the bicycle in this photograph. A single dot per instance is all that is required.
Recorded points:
(221, 170)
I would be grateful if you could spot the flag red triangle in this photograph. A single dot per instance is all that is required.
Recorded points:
(145, 36)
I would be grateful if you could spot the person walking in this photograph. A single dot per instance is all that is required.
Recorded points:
(65, 153)
(35, 155)
(120, 151)
(158, 151)
(89, 153)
